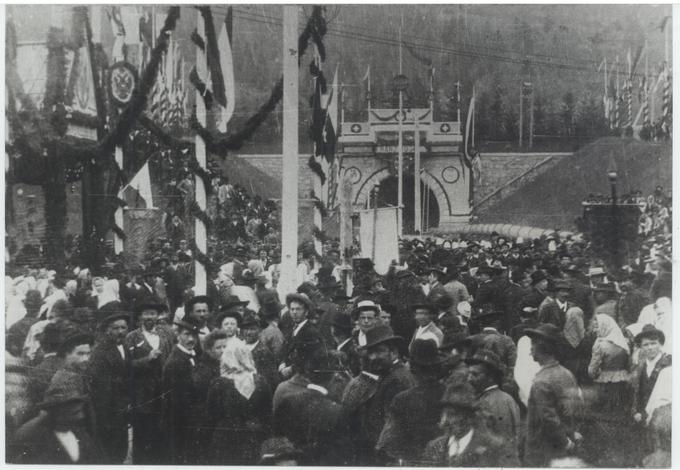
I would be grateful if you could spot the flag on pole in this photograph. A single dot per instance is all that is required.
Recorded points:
(330, 127)
(141, 182)
(227, 67)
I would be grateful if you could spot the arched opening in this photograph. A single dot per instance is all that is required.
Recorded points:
(388, 195)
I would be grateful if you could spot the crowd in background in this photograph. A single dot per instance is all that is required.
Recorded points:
(474, 352)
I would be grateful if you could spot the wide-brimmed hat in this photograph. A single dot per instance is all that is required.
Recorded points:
(189, 322)
(301, 298)
(424, 352)
(341, 321)
(650, 332)
(424, 306)
(365, 305)
(546, 332)
(150, 305)
(276, 449)
(488, 358)
(249, 319)
(537, 276)
(233, 301)
(382, 334)
(60, 394)
(270, 309)
(561, 284)
(198, 299)
(75, 338)
(114, 314)
(461, 397)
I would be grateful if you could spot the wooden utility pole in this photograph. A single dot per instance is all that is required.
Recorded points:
(418, 223)
(400, 162)
(289, 192)
(531, 118)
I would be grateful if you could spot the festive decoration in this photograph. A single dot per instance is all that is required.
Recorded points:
(122, 82)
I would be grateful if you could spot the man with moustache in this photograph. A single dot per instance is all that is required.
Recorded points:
(148, 347)
(368, 396)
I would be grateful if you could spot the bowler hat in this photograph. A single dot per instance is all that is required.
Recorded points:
(545, 332)
(537, 276)
(424, 352)
(300, 298)
(60, 392)
(460, 397)
(382, 334)
(233, 301)
(488, 358)
(250, 319)
(74, 339)
(276, 449)
(189, 322)
(650, 332)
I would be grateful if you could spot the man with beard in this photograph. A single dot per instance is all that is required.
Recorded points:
(109, 372)
(148, 347)
(61, 434)
(181, 401)
(465, 443)
(368, 396)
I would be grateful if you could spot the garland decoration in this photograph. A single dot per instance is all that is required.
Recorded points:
(316, 168)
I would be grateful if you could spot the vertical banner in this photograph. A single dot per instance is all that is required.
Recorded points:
(379, 240)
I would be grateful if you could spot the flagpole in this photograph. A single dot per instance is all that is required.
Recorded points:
(289, 184)
(418, 225)
(200, 275)
(400, 162)
(118, 215)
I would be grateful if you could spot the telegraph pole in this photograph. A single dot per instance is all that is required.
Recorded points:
(418, 223)
(531, 117)
(521, 112)
(400, 171)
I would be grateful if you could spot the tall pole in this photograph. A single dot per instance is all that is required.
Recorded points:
(400, 171)
(289, 203)
(201, 236)
(521, 112)
(531, 118)
(418, 223)
(118, 215)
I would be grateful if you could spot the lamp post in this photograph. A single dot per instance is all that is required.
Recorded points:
(613, 177)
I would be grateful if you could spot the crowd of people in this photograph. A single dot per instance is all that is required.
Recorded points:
(468, 352)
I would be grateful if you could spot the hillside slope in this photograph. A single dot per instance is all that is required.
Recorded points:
(553, 199)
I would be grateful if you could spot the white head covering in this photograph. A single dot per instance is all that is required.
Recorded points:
(109, 293)
(237, 364)
(608, 330)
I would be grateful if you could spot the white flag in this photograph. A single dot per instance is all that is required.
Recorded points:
(142, 183)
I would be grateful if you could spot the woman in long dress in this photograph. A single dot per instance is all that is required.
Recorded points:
(611, 396)
(240, 403)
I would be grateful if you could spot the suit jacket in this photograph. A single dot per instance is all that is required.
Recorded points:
(266, 364)
(367, 402)
(643, 385)
(110, 382)
(292, 386)
(483, 450)
(307, 335)
(146, 373)
(35, 443)
(182, 405)
(553, 410)
(501, 414)
(412, 422)
(317, 426)
(514, 293)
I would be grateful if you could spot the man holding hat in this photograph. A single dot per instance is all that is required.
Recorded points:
(368, 396)
(61, 434)
(499, 410)
(554, 402)
(465, 443)
(414, 413)
(149, 348)
(109, 371)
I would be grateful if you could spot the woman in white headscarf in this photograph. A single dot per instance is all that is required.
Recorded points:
(612, 396)
(239, 409)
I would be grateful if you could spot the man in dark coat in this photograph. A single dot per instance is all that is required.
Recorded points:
(341, 331)
(60, 435)
(110, 371)
(181, 401)
(465, 443)
(514, 293)
(414, 413)
(499, 410)
(539, 284)
(149, 347)
(311, 420)
(554, 403)
(299, 308)
(368, 396)
(265, 362)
